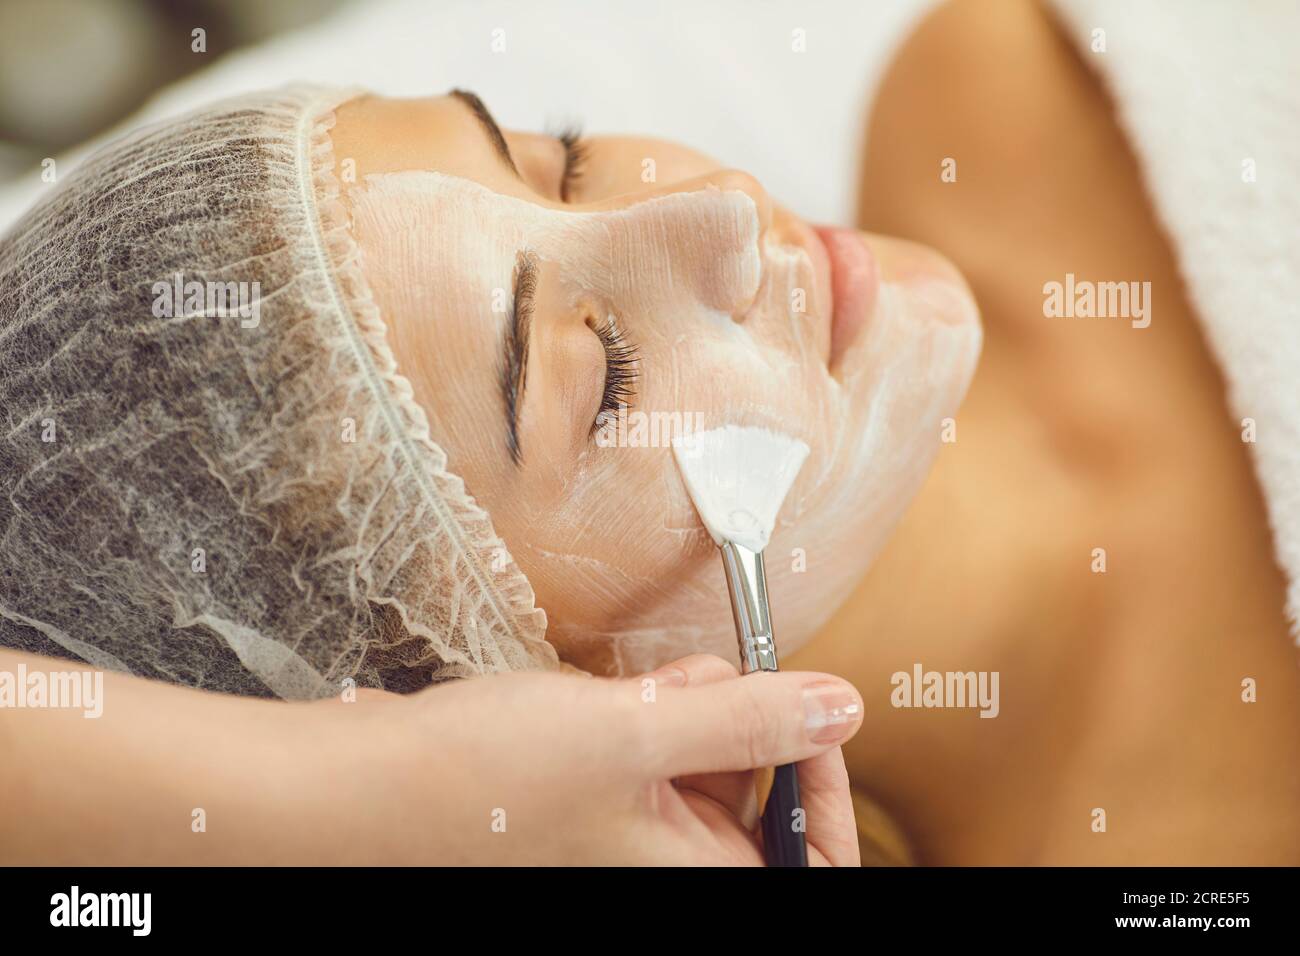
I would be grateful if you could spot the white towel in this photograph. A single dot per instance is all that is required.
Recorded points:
(1209, 96)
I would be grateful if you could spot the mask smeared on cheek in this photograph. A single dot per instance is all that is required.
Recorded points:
(723, 334)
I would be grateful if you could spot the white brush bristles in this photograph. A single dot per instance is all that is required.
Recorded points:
(738, 477)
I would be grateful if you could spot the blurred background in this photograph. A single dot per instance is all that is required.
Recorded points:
(71, 68)
(777, 87)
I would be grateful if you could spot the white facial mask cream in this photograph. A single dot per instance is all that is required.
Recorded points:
(727, 331)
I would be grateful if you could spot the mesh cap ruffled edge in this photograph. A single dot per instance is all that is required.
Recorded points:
(509, 597)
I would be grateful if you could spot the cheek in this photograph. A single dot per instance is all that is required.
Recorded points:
(626, 572)
(612, 542)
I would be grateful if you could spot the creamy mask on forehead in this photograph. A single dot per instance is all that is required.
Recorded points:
(726, 328)
(684, 251)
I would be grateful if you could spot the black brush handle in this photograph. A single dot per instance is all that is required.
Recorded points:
(746, 574)
(783, 845)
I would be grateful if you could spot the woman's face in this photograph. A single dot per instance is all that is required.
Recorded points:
(563, 312)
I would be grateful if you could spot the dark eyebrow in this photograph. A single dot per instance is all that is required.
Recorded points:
(515, 342)
(489, 125)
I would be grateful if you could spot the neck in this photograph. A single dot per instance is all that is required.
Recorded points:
(1122, 605)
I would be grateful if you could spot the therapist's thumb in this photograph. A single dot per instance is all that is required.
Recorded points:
(759, 720)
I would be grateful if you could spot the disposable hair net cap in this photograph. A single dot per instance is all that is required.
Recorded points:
(245, 506)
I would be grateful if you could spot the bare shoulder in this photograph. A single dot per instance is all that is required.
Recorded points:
(992, 139)
(993, 96)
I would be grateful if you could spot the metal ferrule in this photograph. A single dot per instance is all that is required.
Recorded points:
(747, 584)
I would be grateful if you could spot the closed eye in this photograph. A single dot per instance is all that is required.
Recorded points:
(576, 153)
(620, 371)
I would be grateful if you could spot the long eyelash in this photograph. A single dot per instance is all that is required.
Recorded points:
(576, 152)
(620, 370)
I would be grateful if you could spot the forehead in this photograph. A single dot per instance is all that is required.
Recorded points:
(651, 257)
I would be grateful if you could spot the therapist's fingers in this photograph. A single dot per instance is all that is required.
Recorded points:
(760, 720)
(828, 806)
(694, 670)
(733, 790)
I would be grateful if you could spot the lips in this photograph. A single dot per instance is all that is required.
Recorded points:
(855, 279)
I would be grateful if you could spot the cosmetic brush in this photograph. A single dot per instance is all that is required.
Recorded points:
(738, 478)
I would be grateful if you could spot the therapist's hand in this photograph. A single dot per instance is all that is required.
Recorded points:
(560, 769)
(514, 769)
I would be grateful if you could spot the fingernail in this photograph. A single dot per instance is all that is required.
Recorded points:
(669, 677)
(831, 711)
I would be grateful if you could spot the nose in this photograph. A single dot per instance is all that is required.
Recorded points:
(725, 180)
(725, 281)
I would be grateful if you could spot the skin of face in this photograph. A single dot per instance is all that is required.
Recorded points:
(725, 300)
